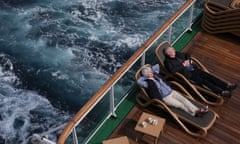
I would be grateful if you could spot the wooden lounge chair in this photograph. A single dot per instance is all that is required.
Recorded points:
(200, 93)
(195, 126)
(235, 4)
(224, 17)
(225, 4)
(221, 16)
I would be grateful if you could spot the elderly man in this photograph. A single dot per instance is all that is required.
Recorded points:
(181, 62)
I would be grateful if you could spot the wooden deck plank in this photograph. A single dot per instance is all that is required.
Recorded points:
(221, 55)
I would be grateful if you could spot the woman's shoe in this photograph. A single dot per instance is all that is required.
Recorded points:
(200, 112)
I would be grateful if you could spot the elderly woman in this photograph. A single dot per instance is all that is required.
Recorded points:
(157, 88)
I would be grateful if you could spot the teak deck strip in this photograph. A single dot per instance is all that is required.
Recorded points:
(221, 55)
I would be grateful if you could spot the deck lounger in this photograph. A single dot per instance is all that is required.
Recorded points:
(200, 93)
(235, 4)
(195, 126)
(225, 4)
(226, 20)
(221, 16)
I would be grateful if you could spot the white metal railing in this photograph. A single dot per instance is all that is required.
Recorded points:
(108, 88)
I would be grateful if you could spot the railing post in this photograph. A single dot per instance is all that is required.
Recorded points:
(75, 140)
(143, 59)
(190, 18)
(170, 33)
(112, 107)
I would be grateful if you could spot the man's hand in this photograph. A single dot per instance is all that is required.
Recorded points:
(186, 63)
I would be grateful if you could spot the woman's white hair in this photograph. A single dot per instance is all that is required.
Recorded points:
(146, 70)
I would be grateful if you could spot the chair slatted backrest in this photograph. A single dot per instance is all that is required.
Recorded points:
(159, 51)
(139, 74)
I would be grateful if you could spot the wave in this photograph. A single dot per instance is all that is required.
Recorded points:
(24, 112)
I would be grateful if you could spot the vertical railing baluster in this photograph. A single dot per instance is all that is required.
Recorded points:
(143, 59)
(190, 18)
(112, 107)
(75, 139)
(170, 33)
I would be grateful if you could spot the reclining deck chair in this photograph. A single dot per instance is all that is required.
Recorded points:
(201, 93)
(195, 126)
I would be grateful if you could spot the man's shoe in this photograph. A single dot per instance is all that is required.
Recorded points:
(232, 87)
(226, 94)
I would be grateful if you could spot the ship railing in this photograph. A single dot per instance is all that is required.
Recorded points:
(103, 104)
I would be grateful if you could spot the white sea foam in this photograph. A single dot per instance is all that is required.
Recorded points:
(19, 108)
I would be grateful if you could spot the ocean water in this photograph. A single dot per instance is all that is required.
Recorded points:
(54, 55)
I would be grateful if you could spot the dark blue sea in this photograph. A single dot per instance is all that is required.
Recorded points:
(55, 54)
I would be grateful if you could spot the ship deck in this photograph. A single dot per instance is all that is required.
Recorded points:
(221, 55)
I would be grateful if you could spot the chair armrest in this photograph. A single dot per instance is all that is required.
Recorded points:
(199, 64)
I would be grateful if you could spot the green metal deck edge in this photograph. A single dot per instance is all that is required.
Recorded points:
(126, 106)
